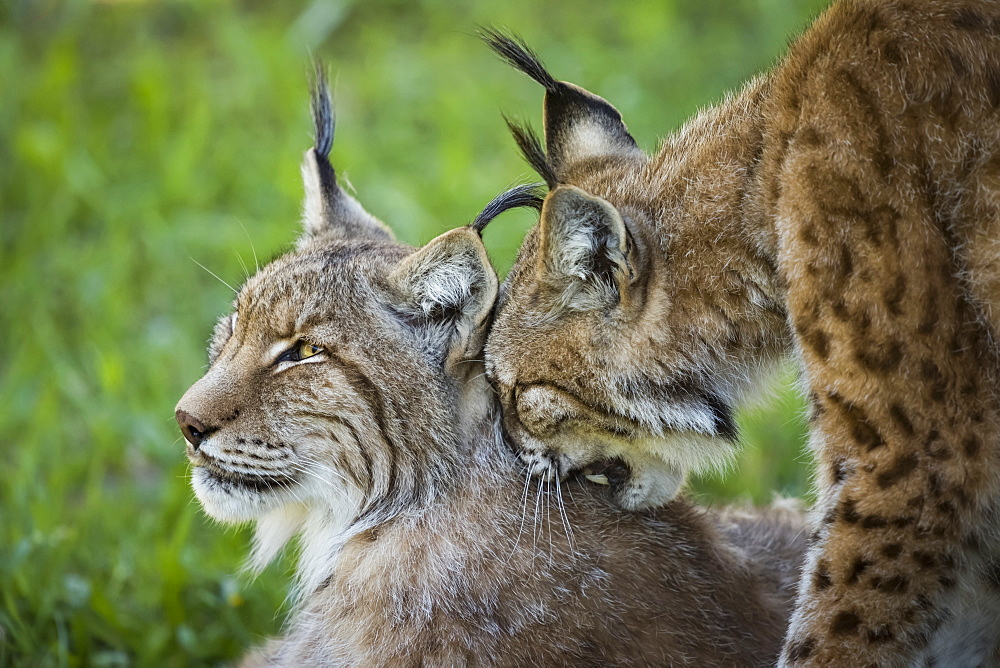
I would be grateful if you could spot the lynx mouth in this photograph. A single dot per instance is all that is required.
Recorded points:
(251, 481)
(609, 472)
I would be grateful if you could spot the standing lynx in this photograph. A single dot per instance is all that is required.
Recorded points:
(845, 208)
(346, 402)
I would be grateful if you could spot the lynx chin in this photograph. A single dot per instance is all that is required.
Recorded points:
(346, 403)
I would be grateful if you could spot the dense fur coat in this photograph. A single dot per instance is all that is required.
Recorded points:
(346, 403)
(844, 207)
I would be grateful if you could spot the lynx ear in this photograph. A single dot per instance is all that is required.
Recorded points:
(578, 124)
(328, 211)
(584, 249)
(446, 291)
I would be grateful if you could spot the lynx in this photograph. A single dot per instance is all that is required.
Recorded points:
(346, 403)
(843, 208)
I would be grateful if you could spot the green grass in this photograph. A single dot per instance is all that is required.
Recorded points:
(138, 139)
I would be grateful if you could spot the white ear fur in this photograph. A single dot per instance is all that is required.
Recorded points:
(584, 247)
(588, 138)
(329, 211)
(580, 125)
(447, 288)
(313, 206)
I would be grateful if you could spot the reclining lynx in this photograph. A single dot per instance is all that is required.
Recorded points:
(844, 207)
(345, 402)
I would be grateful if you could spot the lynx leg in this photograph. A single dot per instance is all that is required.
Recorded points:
(905, 422)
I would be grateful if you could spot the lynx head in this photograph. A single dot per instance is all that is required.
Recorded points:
(331, 398)
(615, 335)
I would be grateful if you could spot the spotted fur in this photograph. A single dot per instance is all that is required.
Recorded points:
(346, 403)
(844, 208)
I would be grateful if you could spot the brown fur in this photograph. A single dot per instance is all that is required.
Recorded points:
(345, 402)
(846, 207)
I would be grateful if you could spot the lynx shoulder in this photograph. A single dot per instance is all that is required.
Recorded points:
(345, 402)
(843, 208)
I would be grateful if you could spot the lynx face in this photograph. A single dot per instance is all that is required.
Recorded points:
(574, 392)
(612, 338)
(332, 384)
(283, 390)
(295, 413)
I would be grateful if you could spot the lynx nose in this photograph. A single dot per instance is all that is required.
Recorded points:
(192, 428)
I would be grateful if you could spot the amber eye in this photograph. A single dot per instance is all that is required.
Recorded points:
(307, 350)
(299, 352)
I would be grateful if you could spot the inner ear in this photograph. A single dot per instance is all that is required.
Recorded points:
(446, 291)
(584, 248)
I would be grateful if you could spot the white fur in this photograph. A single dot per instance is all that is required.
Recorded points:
(273, 532)
(324, 531)
(588, 138)
(314, 214)
(235, 506)
(278, 348)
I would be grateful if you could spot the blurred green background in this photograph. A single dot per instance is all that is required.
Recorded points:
(138, 139)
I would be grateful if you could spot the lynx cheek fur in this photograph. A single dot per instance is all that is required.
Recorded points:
(844, 207)
(346, 403)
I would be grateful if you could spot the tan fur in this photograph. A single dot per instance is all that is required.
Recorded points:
(844, 207)
(422, 541)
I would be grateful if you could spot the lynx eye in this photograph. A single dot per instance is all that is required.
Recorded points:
(305, 350)
(300, 351)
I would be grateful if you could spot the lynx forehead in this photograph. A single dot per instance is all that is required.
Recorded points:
(844, 208)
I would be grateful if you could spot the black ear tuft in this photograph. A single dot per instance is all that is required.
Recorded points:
(512, 48)
(321, 107)
(531, 148)
(328, 211)
(527, 195)
(324, 124)
(578, 124)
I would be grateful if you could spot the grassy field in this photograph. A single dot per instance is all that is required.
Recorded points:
(141, 139)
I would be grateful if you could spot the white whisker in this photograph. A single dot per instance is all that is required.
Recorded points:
(243, 265)
(524, 513)
(252, 250)
(333, 471)
(565, 518)
(213, 274)
(548, 514)
(304, 468)
(536, 530)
